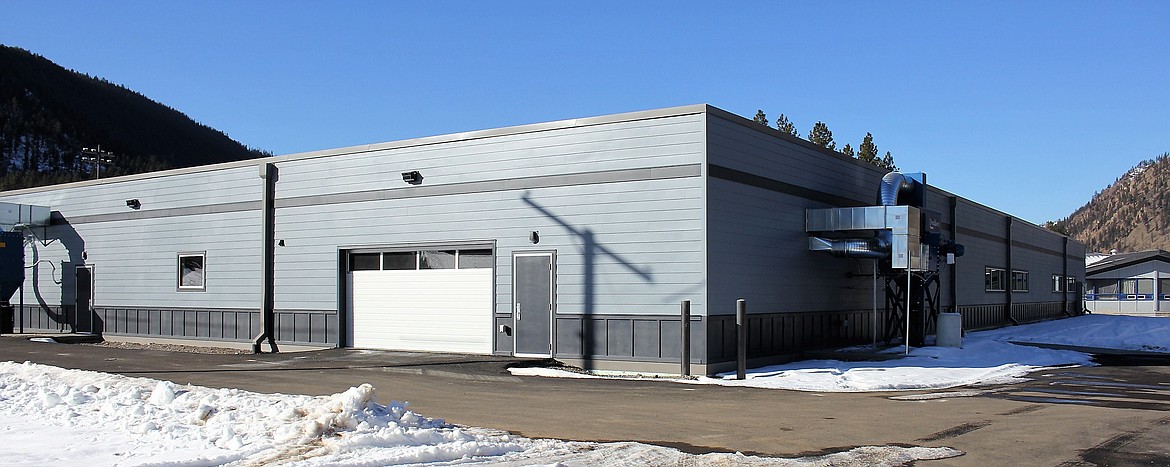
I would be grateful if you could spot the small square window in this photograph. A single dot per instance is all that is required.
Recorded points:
(191, 271)
(1019, 281)
(994, 279)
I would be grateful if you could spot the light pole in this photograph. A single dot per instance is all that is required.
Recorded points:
(98, 158)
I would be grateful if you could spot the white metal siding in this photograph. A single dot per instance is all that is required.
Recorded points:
(135, 257)
(634, 225)
(436, 310)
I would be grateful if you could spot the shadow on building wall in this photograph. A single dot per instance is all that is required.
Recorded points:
(71, 314)
(591, 250)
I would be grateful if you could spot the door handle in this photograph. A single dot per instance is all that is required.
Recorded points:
(518, 312)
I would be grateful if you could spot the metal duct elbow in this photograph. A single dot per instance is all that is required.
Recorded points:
(893, 185)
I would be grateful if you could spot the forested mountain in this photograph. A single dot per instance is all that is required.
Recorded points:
(48, 114)
(1132, 214)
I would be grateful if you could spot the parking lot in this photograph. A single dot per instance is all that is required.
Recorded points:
(1114, 415)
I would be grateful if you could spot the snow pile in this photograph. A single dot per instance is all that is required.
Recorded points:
(51, 416)
(214, 426)
(987, 357)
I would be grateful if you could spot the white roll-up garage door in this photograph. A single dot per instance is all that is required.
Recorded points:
(434, 307)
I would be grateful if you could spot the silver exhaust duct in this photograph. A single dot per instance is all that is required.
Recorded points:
(893, 185)
(873, 248)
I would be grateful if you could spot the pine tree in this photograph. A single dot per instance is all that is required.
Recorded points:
(821, 136)
(847, 150)
(786, 126)
(868, 151)
(761, 118)
(887, 162)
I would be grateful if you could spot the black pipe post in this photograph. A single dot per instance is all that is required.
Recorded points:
(741, 339)
(269, 173)
(1064, 280)
(685, 331)
(1011, 318)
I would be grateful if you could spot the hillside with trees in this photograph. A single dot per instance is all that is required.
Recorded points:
(1132, 214)
(48, 114)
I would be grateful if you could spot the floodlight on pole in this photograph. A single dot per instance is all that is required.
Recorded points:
(98, 158)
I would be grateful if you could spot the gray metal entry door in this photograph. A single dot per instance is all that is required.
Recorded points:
(532, 305)
(84, 299)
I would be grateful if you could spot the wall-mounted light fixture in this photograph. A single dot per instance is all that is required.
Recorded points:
(133, 203)
(412, 177)
(534, 237)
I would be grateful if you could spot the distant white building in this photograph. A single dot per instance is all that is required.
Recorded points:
(1129, 283)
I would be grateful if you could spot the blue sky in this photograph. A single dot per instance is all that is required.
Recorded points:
(1028, 107)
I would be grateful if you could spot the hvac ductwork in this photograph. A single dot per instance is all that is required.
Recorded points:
(895, 185)
(893, 225)
(893, 232)
(872, 248)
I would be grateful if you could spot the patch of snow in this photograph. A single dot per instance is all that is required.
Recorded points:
(51, 416)
(986, 358)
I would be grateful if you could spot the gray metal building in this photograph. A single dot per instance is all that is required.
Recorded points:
(575, 239)
(1129, 284)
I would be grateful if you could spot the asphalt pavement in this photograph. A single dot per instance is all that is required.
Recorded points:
(1107, 415)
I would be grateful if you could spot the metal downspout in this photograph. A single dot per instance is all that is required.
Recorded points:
(1008, 312)
(269, 173)
(1064, 280)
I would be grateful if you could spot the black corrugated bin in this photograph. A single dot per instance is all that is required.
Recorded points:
(6, 322)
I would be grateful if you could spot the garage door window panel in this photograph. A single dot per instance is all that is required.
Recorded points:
(436, 259)
(364, 262)
(400, 261)
(476, 259)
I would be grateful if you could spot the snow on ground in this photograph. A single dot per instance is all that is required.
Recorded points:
(55, 416)
(987, 357)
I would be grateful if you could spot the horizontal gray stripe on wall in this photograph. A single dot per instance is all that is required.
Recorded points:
(548, 181)
(58, 219)
(993, 238)
(778, 186)
(487, 186)
(1037, 249)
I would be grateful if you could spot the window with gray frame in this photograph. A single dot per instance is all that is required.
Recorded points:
(1132, 288)
(994, 279)
(1164, 288)
(1058, 283)
(191, 271)
(1019, 281)
(1102, 289)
